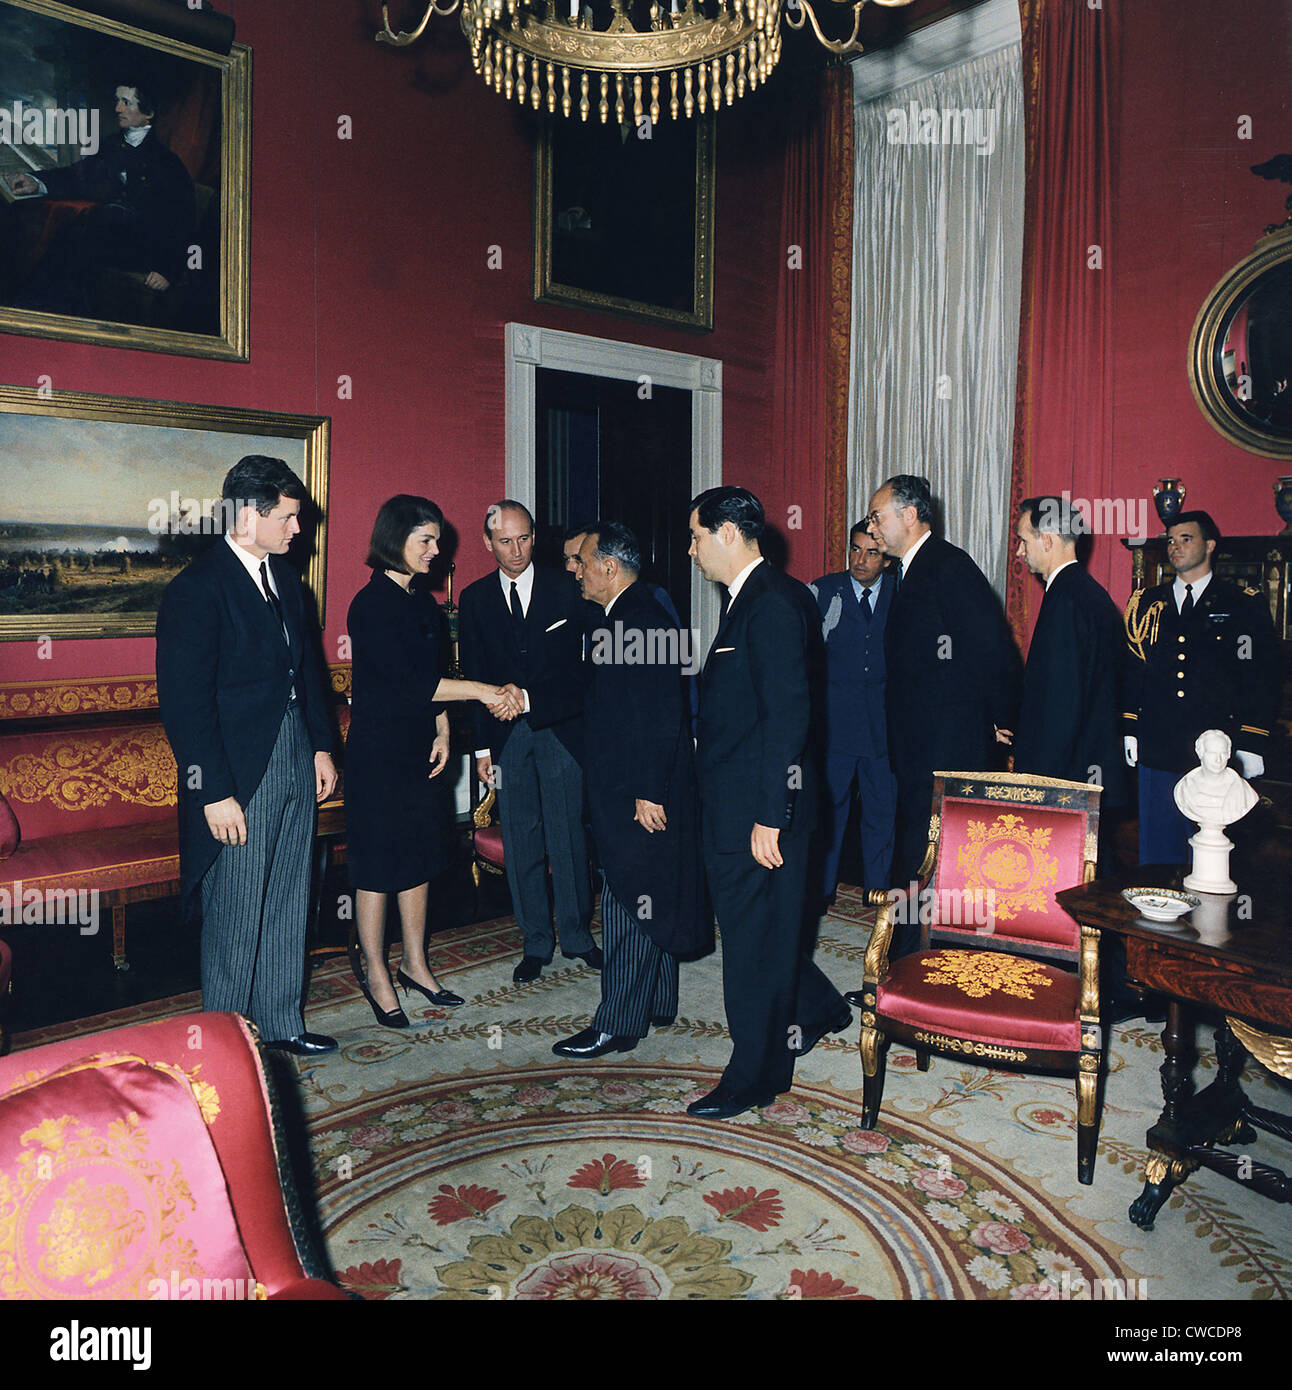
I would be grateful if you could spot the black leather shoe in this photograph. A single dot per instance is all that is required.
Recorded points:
(305, 1044)
(593, 959)
(530, 968)
(855, 997)
(593, 1043)
(659, 1021)
(445, 998)
(810, 1040)
(720, 1104)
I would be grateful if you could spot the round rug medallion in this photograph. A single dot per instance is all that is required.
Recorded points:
(596, 1185)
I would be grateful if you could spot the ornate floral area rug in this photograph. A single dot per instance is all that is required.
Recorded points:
(461, 1159)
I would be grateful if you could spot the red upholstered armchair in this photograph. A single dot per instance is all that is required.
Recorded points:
(147, 1162)
(1003, 974)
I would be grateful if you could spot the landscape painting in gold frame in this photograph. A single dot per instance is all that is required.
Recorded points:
(104, 499)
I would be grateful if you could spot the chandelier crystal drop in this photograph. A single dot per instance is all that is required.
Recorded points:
(627, 59)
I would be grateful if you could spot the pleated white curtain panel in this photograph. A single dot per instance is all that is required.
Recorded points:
(938, 245)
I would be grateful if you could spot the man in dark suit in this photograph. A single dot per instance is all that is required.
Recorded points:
(757, 795)
(643, 807)
(141, 218)
(530, 623)
(243, 699)
(953, 669)
(854, 609)
(1203, 655)
(1069, 724)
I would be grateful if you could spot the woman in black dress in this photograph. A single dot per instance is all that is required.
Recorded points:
(397, 814)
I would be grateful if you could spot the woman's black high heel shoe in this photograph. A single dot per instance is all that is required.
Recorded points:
(445, 998)
(388, 1018)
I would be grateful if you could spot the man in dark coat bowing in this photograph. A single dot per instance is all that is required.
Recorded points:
(640, 778)
(1070, 722)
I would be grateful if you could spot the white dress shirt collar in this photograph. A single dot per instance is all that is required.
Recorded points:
(738, 582)
(524, 587)
(1177, 589)
(251, 565)
(912, 552)
(1055, 573)
(617, 597)
(136, 135)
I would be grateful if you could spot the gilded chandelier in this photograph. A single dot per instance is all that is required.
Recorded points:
(627, 56)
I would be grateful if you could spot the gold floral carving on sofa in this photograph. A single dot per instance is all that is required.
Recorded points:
(1009, 860)
(81, 771)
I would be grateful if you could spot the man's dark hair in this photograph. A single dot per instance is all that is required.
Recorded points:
(145, 97)
(1056, 515)
(1202, 520)
(398, 518)
(910, 491)
(572, 531)
(616, 542)
(860, 526)
(508, 504)
(259, 481)
(738, 505)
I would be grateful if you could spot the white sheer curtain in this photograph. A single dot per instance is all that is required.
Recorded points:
(937, 258)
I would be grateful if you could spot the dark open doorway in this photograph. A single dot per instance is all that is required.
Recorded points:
(606, 448)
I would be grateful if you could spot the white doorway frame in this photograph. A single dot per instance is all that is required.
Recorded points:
(530, 347)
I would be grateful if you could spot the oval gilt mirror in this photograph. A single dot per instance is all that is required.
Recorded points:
(1240, 351)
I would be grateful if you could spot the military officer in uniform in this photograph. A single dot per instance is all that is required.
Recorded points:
(1202, 656)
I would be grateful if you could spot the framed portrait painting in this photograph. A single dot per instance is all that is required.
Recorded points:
(124, 184)
(623, 219)
(104, 499)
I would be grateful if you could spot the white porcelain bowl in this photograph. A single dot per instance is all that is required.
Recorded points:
(1161, 904)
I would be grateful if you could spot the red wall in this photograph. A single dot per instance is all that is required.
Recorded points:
(1187, 211)
(369, 259)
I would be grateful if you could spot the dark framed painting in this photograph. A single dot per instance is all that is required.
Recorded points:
(104, 499)
(623, 219)
(124, 184)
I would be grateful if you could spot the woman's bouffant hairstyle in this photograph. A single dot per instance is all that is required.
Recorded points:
(398, 518)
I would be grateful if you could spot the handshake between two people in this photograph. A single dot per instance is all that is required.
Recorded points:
(504, 702)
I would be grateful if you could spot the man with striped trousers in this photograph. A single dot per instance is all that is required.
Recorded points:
(243, 700)
(642, 804)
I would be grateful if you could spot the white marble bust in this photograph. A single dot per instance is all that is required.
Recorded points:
(1214, 794)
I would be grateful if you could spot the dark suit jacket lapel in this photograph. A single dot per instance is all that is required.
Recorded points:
(289, 593)
(245, 594)
(755, 581)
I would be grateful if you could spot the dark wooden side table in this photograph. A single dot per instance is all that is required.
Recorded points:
(1230, 957)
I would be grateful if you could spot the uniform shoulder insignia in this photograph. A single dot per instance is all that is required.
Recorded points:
(1142, 627)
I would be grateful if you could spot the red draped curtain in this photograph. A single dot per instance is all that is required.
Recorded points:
(1063, 435)
(814, 316)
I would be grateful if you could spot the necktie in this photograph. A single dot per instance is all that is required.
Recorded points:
(1186, 608)
(273, 600)
(517, 611)
(867, 598)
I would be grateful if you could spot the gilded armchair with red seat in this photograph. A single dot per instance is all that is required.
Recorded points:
(1003, 975)
(148, 1162)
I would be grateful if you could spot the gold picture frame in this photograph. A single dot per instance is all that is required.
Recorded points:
(203, 117)
(92, 481)
(623, 219)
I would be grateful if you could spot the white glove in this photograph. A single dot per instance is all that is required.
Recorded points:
(1252, 764)
(1131, 746)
